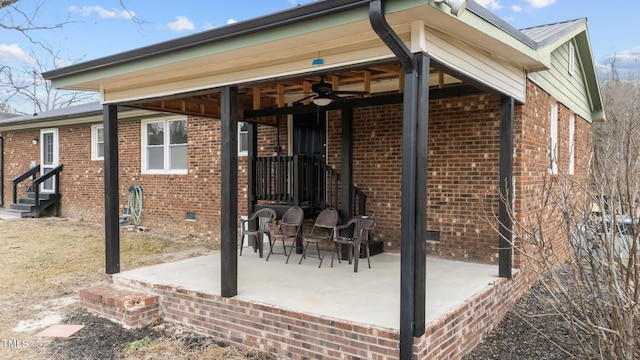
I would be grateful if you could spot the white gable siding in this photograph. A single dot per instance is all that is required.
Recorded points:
(475, 63)
(569, 89)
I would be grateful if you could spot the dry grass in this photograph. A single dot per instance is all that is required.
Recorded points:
(45, 261)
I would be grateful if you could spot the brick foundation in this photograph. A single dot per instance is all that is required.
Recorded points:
(299, 335)
(129, 307)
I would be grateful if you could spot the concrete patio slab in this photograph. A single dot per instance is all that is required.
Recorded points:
(370, 296)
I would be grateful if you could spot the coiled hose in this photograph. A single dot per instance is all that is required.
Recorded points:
(135, 203)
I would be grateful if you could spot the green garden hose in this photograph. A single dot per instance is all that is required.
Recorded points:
(135, 203)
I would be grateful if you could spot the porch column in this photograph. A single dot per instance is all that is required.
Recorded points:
(413, 207)
(111, 186)
(347, 163)
(505, 210)
(421, 195)
(229, 196)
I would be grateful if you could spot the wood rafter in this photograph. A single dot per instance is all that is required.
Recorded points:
(261, 97)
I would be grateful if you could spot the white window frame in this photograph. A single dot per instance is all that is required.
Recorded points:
(553, 140)
(242, 152)
(95, 141)
(165, 145)
(572, 142)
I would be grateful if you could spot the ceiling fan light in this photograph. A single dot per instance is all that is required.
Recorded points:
(322, 101)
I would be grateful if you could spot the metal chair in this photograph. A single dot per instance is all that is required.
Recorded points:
(321, 233)
(264, 217)
(362, 225)
(287, 230)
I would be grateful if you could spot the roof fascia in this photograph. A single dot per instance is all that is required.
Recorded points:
(77, 119)
(297, 21)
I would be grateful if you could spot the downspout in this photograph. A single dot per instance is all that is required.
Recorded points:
(408, 287)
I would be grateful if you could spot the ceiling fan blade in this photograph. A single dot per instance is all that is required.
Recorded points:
(347, 92)
(300, 101)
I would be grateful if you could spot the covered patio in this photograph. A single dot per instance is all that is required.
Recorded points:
(405, 56)
(300, 310)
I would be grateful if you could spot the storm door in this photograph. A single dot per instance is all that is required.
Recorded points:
(48, 156)
(310, 142)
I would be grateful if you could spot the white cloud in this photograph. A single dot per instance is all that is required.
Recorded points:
(102, 12)
(490, 4)
(14, 52)
(516, 8)
(182, 23)
(626, 63)
(231, 21)
(539, 4)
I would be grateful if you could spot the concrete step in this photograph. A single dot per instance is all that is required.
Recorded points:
(8, 214)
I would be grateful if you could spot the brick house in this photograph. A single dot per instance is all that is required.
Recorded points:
(504, 106)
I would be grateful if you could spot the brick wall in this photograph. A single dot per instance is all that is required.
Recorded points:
(531, 168)
(463, 171)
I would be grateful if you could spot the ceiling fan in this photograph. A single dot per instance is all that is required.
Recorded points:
(325, 95)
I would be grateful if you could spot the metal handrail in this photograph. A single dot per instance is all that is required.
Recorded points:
(36, 188)
(31, 173)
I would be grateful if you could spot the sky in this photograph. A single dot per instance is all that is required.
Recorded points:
(98, 28)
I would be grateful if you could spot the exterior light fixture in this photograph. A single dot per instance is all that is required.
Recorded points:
(457, 6)
(34, 141)
(322, 101)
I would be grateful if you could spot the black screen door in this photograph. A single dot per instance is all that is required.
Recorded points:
(309, 140)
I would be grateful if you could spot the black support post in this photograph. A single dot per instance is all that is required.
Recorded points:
(420, 254)
(347, 164)
(408, 216)
(229, 197)
(111, 196)
(505, 211)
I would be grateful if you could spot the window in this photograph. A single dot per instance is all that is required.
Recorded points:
(572, 141)
(243, 138)
(553, 137)
(97, 142)
(164, 146)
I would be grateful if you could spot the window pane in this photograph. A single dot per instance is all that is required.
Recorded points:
(244, 127)
(155, 133)
(178, 157)
(100, 150)
(178, 134)
(155, 158)
(100, 133)
(243, 142)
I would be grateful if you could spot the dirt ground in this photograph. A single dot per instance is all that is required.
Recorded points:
(45, 261)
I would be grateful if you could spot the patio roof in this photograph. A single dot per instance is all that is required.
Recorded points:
(290, 49)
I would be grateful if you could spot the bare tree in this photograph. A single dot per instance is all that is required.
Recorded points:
(27, 84)
(594, 282)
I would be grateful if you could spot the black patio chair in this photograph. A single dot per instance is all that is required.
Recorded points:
(287, 231)
(264, 217)
(321, 233)
(362, 225)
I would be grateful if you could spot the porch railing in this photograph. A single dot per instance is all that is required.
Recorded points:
(36, 181)
(301, 180)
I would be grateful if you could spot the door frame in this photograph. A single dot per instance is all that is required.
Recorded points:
(56, 160)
